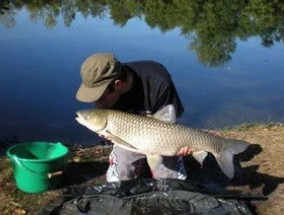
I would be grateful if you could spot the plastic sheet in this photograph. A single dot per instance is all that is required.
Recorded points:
(149, 196)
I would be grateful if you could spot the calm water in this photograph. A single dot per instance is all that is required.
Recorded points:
(40, 62)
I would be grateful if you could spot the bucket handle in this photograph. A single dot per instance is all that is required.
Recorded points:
(49, 175)
(54, 174)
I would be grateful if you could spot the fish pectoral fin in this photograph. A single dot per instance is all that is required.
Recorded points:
(154, 160)
(200, 156)
(166, 114)
(118, 140)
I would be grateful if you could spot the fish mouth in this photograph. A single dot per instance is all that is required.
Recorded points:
(80, 119)
(78, 116)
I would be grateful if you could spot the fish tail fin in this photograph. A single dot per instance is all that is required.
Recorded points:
(225, 156)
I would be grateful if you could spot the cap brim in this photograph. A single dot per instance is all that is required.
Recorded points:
(87, 94)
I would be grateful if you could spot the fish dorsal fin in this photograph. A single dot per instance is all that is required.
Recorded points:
(166, 114)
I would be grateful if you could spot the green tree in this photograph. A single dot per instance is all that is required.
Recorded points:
(211, 27)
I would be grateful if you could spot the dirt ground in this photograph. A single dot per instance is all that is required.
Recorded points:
(264, 171)
(260, 172)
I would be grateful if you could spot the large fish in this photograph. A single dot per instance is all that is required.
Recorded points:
(158, 136)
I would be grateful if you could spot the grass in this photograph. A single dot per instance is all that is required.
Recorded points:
(260, 172)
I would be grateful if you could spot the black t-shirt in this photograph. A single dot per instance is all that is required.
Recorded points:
(152, 89)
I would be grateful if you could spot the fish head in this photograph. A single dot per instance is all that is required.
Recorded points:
(93, 119)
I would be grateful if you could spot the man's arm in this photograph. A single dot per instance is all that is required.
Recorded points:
(168, 95)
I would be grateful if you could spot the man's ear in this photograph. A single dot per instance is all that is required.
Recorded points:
(118, 84)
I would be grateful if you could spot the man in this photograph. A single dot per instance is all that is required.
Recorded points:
(141, 87)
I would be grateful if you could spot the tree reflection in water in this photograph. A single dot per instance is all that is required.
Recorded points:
(212, 27)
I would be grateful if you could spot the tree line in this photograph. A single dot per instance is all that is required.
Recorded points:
(211, 26)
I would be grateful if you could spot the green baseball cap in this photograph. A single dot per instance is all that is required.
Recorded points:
(97, 72)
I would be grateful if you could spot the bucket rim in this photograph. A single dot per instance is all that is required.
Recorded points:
(12, 156)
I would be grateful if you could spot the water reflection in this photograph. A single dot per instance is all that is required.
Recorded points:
(216, 54)
(211, 27)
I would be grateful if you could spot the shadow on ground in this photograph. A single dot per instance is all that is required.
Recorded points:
(212, 175)
(78, 173)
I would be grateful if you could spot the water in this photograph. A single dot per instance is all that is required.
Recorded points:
(40, 73)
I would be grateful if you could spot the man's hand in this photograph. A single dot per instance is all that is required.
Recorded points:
(184, 151)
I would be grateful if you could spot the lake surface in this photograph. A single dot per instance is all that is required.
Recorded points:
(226, 74)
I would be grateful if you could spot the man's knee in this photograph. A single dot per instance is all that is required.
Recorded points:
(124, 165)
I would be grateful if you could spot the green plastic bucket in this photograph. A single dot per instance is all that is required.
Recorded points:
(38, 166)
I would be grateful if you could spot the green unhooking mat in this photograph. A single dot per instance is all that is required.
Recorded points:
(149, 196)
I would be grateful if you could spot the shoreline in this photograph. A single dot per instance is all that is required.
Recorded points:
(261, 172)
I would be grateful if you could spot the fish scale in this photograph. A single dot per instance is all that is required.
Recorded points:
(156, 138)
(148, 134)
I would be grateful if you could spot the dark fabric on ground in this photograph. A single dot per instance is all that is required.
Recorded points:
(149, 196)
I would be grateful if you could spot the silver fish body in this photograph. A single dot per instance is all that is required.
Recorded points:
(154, 137)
